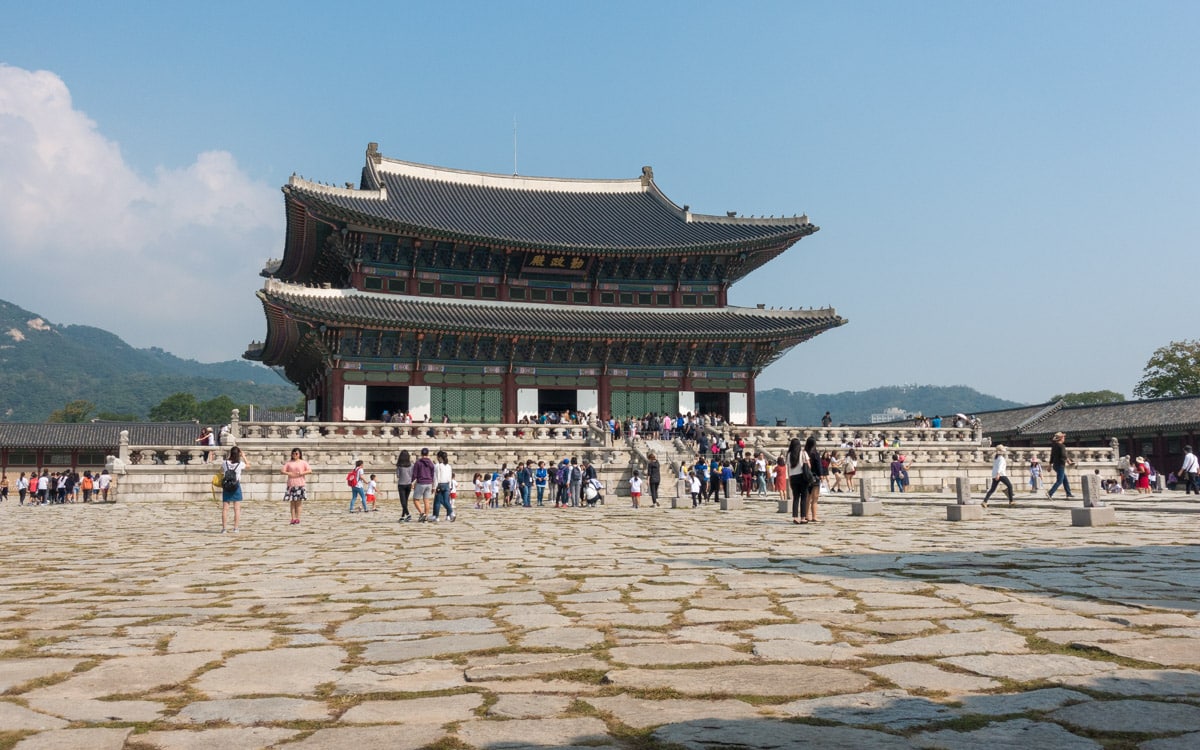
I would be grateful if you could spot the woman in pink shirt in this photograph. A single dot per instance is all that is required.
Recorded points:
(296, 470)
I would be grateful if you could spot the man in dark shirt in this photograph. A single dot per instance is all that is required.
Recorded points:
(1060, 462)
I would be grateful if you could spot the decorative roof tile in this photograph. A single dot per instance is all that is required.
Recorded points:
(403, 312)
(95, 435)
(536, 211)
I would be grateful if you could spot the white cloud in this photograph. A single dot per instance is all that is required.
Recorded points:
(169, 259)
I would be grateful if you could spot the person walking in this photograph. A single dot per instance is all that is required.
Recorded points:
(22, 487)
(1035, 474)
(404, 482)
(1059, 462)
(424, 472)
(850, 468)
(443, 474)
(800, 476)
(358, 485)
(296, 469)
(897, 479)
(232, 495)
(1143, 475)
(1000, 475)
(653, 477)
(1191, 466)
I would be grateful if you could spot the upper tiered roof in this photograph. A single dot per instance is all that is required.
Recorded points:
(629, 215)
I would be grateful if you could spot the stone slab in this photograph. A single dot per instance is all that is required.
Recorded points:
(866, 508)
(251, 711)
(1019, 734)
(965, 512)
(1149, 717)
(371, 738)
(727, 734)
(950, 644)
(438, 710)
(1029, 667)
(284, 671)
(894, 709)
(764, 680)
(14, 718)
(536, 733)
(921, 676)
(640, 713)
(75, 739)
(1171, 652)
(679, 653)
(240, 738)
(15, 672)
(1106, 516)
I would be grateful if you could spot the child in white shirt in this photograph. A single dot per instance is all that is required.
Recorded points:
(635, 487)
(371, 486)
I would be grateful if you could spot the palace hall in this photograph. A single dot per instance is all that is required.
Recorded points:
(491, 298)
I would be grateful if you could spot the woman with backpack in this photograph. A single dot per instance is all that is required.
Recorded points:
(231, 487)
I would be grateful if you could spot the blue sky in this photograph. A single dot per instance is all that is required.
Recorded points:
(1006, 191)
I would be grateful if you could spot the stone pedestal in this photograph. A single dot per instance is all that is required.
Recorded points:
(962, 490)
(1105, 516)
(864, 490)
(1093, 496)
(868, 508)
(958, 512)
(731, 503)
(785, 506)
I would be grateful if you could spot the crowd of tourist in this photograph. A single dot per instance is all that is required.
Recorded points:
(45, 487)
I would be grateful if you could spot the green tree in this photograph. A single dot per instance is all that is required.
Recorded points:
(1089, 398)
(76, 411)
(217, 410)
(178, 407)
(1173, 370)
(109, 416)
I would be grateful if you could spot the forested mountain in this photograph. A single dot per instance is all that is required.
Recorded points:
(856, 407)
(45, 366)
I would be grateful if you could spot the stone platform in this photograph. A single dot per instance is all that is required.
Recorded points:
(140, 626)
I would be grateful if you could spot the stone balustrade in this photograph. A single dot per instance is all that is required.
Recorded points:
(936, 457)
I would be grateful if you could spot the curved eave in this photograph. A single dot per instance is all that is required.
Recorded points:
(316, 203)
(402, 313)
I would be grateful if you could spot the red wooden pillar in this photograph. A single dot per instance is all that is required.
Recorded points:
(751, 418)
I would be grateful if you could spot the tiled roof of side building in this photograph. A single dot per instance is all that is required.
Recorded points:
(95, 435)
(1161, 415)
(537, 211)
(508, 318)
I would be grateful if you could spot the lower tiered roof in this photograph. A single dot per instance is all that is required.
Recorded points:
(397, 312)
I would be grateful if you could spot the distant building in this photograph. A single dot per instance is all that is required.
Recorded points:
(86, 445)
(492, 298)
(890, 414)
(1156, 429)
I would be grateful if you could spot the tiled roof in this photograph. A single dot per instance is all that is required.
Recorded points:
(538, 212)
(507, 318)
(1166, 415)
(95, 435)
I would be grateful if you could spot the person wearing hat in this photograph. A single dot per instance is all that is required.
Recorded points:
(1059, 462)
(1000, 475)
(1143, 475)
(1035, 474)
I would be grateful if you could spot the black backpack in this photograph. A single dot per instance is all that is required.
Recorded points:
(229, 482)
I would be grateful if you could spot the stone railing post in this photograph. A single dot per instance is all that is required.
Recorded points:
(123, 447)
(235, 426)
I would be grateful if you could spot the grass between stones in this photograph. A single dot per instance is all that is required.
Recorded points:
(1044, 646)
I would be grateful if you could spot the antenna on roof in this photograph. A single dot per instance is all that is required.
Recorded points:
(515, 173)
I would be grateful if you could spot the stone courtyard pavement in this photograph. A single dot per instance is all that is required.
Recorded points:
(139, 626)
